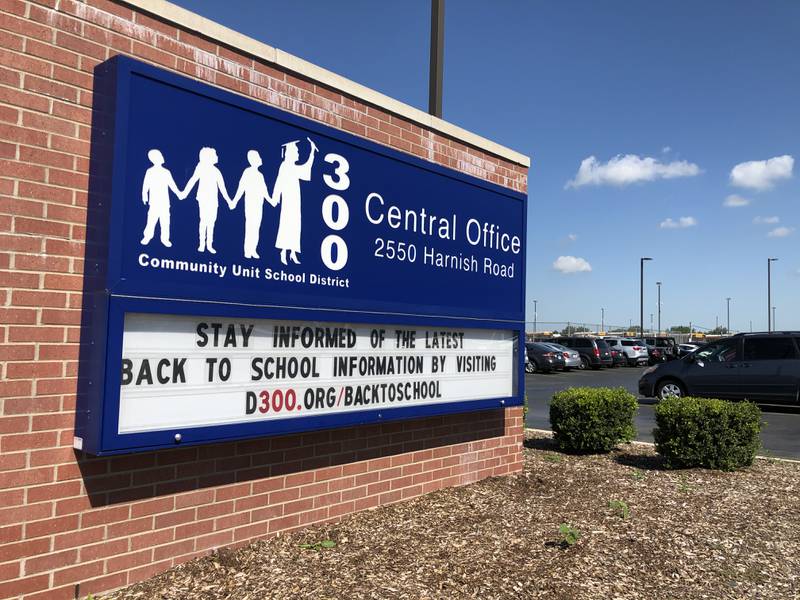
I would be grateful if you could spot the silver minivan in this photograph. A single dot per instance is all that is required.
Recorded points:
(635, 351)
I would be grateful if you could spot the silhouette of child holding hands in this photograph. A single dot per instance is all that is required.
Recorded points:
(209, 184)
(157, 185)
(254, 188)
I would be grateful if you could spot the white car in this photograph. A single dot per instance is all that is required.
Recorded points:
(635, 351)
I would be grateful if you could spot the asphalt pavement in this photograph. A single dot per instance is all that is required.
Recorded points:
(780, 436)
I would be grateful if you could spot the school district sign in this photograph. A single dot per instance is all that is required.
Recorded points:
(224, 207)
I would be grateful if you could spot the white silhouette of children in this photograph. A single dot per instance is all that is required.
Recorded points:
(287, 192)
(254, 188)
(210, 184)
(158, 183)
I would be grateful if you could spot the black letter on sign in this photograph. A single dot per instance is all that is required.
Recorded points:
(250, 403)
(162, 364)
(211, 362)
(144, 373)
(225, 369)
(201, 331)
(177, 370)
(127, 371)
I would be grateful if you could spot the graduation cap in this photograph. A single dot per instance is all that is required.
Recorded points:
(283, 147)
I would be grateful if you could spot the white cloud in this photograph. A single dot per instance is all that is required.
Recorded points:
(735, 201)
(631, 168)
(681, 223)
(571, 264)
(762, 174)
(781, 232)
(766, 220)
(666, 149)
(572, 237)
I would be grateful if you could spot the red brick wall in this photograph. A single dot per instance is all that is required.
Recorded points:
(66, 518)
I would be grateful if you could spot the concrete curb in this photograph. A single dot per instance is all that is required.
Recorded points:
(651, 444)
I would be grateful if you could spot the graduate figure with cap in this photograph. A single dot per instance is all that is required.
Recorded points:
(287, 193)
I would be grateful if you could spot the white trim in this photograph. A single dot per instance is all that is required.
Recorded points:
(223, 35)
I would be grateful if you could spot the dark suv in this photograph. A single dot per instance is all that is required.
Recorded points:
(595, 353)
(667, 346)
(754, 366)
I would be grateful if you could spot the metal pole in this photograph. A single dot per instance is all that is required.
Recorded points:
(658, 283)
(769, 292)
(437, 58)
(535, 303)
(602, 319)
(729, 314)
(641, 293)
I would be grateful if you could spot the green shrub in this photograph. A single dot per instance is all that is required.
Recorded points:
(699, 432)
(590, 420)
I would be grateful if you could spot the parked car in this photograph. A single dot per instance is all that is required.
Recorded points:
(594, 352)
(618, 356)
(667, 345)
(763, 367)
(635, 351)
(543, 359)
(684, 349)
(572, 360)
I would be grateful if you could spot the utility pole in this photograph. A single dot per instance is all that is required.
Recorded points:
(641, 293)
(437, 58)
(769, 291)
(729, 314)
(658, 283)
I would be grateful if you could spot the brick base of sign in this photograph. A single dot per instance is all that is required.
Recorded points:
(109, 522)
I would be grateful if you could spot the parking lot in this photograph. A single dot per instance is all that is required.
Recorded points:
(780, 436)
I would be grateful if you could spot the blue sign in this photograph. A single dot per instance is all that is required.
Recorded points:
(222, 206)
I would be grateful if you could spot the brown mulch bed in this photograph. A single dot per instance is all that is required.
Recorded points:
(688, 534)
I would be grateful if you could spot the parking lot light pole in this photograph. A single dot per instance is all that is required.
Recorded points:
(437, 59)
(602, 319)
(769, 292)
(729, 314)
(641, 293)
(535, 303)
(658, 283)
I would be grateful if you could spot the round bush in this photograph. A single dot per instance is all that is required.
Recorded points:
(592, 420)
(701, 432)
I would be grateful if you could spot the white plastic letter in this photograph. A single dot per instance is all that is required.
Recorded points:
(326, 252)
(343, 216)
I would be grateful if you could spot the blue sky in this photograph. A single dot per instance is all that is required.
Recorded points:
(696, 87)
